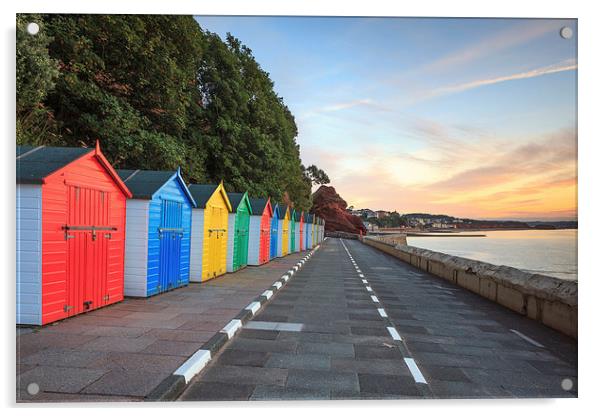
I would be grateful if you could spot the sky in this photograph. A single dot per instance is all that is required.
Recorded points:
(466, 117)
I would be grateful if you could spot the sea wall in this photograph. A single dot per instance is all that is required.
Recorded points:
(546, 299)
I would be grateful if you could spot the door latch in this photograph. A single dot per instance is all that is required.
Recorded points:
(87, 304)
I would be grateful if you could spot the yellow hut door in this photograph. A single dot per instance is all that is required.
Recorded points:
(222, 236)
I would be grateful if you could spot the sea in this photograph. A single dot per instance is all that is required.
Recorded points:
(549, 252)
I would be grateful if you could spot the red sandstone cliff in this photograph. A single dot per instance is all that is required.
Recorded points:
(330, 206)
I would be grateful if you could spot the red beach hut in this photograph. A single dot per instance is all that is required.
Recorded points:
(259, 231)
(71, 207)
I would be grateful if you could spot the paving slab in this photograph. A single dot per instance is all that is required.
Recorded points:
(123, 351)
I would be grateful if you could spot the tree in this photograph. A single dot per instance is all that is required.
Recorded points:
(317, 175)
(36, 76)
(159, 92)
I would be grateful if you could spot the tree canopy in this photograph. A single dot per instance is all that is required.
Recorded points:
(159, 92)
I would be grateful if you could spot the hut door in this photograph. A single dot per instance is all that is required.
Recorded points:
(170, 242)
(236, 242)
(87, 233)
(274, 237)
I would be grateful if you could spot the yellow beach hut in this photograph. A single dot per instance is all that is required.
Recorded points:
(284, 239)
(209, 234)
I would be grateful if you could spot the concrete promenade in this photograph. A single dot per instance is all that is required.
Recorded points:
(358, 323)
(122, 352)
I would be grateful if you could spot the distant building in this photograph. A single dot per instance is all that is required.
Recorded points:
(365, 212)
(381, 214)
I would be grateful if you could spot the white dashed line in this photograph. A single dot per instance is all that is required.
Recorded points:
(382, 313)
(394, 333)
(368, 288)
(364, 281)
(277, 285)
(374, 299)
(416, 373)
(526, 338)
(361, 275)
(268, 294)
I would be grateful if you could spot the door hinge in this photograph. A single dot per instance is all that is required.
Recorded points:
(67, 308)
(109, 236)
(105, 297)
(87, 304)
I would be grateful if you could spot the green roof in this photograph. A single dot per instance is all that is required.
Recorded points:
(144, 183)
(36, 163)
(202, 193)
(236, 198)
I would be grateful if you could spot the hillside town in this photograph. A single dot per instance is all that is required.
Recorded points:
(375, 220)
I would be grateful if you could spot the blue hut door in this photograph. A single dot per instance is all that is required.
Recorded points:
(170, 237)
(274, 237)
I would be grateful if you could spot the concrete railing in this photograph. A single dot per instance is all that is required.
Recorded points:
(546, 299)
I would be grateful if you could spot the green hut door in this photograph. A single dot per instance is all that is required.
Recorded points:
(241, 235)
(292, 233)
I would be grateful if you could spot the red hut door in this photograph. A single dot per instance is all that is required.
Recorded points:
(87, 232)
(264, 239)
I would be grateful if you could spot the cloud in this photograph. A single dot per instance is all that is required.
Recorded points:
(346, 105)
(516, 34)
(568, 65)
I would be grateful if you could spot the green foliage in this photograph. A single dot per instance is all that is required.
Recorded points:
(36, 76)
(317, 175)
(159, 92)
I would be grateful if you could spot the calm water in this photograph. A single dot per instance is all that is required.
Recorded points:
(550, 252)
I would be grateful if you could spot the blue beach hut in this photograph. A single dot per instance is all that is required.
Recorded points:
(274, 232)
(157, 233)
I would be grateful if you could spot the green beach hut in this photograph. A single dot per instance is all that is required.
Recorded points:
(238, 231)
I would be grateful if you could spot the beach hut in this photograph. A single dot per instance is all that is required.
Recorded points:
(259, 231)
(238, 231)
(292, 232)
(295, 243)
(309, 220)
(274, 231)
(301, 227)
(71, 207)
(284, 223)
(157, 232)
(209, 234)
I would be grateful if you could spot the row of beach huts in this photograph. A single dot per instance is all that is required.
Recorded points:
(88, 235)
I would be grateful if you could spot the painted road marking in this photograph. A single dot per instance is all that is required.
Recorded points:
(416, 373)
(374, 299)
(394, 333)
(253, 307)
(233, 326)
(361, 275)
(286, 277)
(382, 312)
(277, 284)
(368, 288)
(268, 294)
(526, 338)
(274, 326)
(364, 281)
